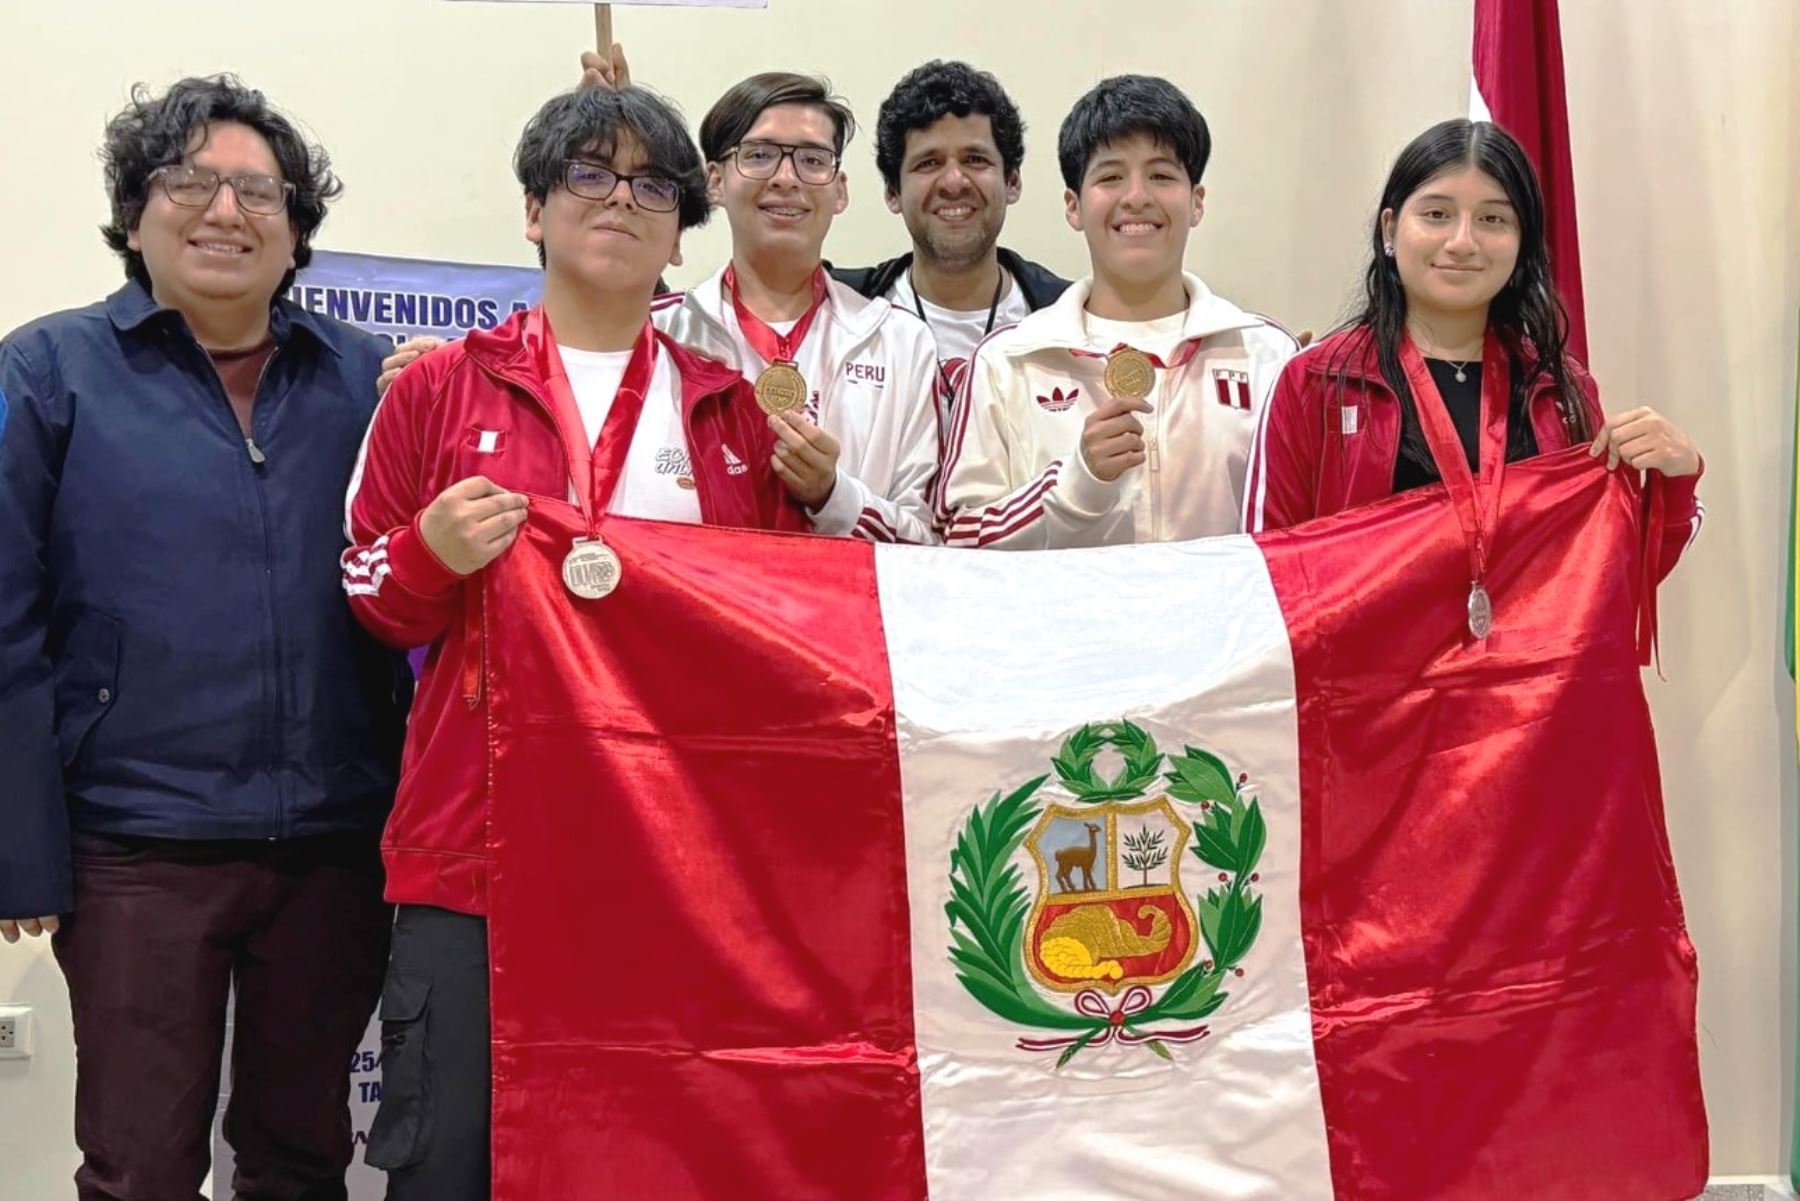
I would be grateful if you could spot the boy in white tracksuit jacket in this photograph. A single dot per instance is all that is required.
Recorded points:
(774, 150)
(1014, 476)
(869, 369)
(1047, 446)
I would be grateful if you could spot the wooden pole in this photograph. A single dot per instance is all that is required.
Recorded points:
(603, 28)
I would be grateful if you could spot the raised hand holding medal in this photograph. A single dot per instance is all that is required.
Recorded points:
(780, 388)
(1112, 438)
(805, 458)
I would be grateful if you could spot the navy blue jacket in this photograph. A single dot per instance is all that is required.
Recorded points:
(177, 658)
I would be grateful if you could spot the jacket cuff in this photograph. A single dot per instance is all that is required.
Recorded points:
(1084, 493)
(414, 566)
(51, 898)
(842, 509)
(1678, 491)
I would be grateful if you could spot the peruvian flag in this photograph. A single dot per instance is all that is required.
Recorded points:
(1518, 85)
(824, 871)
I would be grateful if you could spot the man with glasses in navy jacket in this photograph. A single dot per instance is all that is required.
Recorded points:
(198, 743)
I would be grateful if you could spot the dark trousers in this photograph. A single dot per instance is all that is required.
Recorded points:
(161, 931)
(432, 1131)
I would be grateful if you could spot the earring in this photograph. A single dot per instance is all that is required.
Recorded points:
(1388, 249)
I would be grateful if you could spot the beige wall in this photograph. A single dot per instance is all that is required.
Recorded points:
(1686, 126)
(1688, 142)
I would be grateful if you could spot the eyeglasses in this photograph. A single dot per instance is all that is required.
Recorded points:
(591, 181)
(194, 187)
(761, 160)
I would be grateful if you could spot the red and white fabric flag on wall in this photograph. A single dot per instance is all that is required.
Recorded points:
(1518, 85)
(824, 871)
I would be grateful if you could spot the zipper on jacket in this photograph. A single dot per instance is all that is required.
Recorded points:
(1153, 453)
(474, 650)
(278, 708)
(274, 723)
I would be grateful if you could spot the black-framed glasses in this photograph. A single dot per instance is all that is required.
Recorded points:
(194, 187)
(591, 181)
(761, 160)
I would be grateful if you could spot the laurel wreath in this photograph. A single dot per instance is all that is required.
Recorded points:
(989, 903)
(1074, 763)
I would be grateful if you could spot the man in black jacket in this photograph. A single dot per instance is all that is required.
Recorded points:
(949, 143)
(198, 744)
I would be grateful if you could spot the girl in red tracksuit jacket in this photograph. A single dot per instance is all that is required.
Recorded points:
(1460, 278)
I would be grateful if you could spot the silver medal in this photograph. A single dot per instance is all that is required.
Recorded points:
(591, 569)
(1481, 610)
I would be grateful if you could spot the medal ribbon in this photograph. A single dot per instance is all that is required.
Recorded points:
(774, 347)
(1477, 498)
(595, 472)
(1184, 354)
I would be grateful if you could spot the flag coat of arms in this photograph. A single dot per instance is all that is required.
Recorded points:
(1229, 869)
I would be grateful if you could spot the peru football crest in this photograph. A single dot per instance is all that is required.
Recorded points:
(1232, 388)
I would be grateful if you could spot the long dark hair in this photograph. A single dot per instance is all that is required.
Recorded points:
(1527, 314)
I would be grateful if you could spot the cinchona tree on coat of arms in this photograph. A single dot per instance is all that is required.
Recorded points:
(1108, 948)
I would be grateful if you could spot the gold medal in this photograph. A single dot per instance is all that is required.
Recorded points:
(591, 569)
(780, 388)
(1129, 374)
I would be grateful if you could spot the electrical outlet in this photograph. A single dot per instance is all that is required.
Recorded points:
(15, 1031)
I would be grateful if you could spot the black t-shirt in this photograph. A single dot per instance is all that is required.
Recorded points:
(1463, 399)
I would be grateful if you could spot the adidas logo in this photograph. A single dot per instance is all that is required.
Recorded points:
(733, 464)
(1056, 402)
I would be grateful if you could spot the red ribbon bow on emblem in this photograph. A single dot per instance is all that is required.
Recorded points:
(1091, 1002)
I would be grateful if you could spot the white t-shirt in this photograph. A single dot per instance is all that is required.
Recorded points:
(658, 480)
(1158, 337)
(957, 332)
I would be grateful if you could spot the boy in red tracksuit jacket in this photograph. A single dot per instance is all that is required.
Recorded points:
(579, 401)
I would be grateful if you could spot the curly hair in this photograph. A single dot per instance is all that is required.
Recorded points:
(927, 94)
(157, 131)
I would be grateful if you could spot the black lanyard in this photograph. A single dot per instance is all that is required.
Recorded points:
(919, 308)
